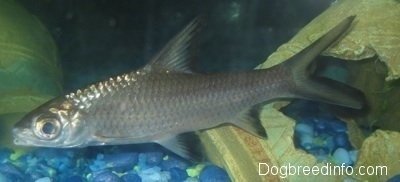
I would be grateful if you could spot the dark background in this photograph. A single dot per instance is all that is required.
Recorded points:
(101, 38)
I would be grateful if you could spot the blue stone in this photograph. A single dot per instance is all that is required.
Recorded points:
(34, 175)
(321, 158)
(306, 141)
(64, 166)
(342, 140)
(177, 174)
(74, 179)
(212, 173)
(320, 126)
(330, 144)
(142, 160)
(106, 176)
(318, 151)
(353, 155)
(395, 178)
(153, 174)
(3, 178)
(11, 172)
(174, 162)
(50, 154)
(302, 128)
(131, 177)
(44, 179)
(5, 154)
(337, 125)
(44, 169)
(98, 165)
(342, 156)
(154, 158)
(121, 162)
(307, 121)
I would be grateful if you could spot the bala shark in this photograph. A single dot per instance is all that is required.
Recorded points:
(163, 100)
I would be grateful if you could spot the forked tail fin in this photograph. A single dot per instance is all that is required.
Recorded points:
(308, 87)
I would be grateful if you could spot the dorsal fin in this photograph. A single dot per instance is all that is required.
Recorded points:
(174, 56)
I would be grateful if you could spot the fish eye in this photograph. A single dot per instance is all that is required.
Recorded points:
(47, 128)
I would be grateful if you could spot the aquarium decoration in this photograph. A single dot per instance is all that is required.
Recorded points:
(370, 41)
(30, 71)
(374, 33)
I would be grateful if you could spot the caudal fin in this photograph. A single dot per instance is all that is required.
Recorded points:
(309, 87)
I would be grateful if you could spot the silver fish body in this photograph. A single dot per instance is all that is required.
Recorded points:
(164, 99)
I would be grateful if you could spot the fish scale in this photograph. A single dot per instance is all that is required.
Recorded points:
(168, 103)
(163, 101)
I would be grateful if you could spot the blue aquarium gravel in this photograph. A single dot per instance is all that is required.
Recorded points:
(394, 178)
(178, 174)
(172, 161)
(212, 173)
(131, 177)
(106, 176)
(321, 133)
(103, 164)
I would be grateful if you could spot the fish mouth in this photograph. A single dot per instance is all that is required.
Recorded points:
(25, 137)
(22, 136)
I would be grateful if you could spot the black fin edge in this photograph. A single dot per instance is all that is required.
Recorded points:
(249, 121)
(174, 56)
(186, 145)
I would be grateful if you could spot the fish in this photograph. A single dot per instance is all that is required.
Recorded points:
(164, 101)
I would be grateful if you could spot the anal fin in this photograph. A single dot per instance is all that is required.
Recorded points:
(186, 145)
(249, 121)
